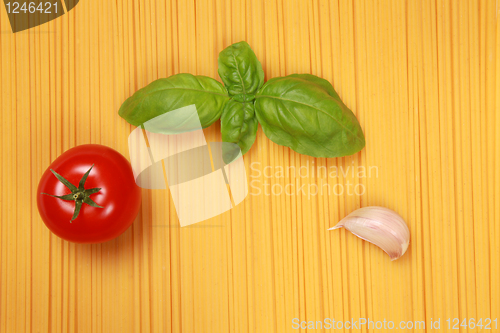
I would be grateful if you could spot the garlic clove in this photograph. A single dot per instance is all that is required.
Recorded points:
(380, 226)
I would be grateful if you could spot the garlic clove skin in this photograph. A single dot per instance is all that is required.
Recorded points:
(380, 226)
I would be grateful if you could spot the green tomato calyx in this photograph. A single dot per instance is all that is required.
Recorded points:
(78, 194)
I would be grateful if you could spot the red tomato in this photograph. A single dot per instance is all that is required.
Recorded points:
(109, 199)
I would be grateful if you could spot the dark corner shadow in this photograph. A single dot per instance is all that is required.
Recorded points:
(26, 14)
(70, 4)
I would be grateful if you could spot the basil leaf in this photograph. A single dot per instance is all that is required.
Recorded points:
(174, 92)
(244, 98)
(304, 112)
(321, 83)
(238, 124)
(240, 70)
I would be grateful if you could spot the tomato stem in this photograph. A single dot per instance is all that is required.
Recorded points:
(78, 194)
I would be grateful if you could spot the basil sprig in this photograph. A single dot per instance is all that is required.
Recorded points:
(300, 111)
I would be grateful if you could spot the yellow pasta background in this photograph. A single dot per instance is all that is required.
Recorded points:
(423, 78)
